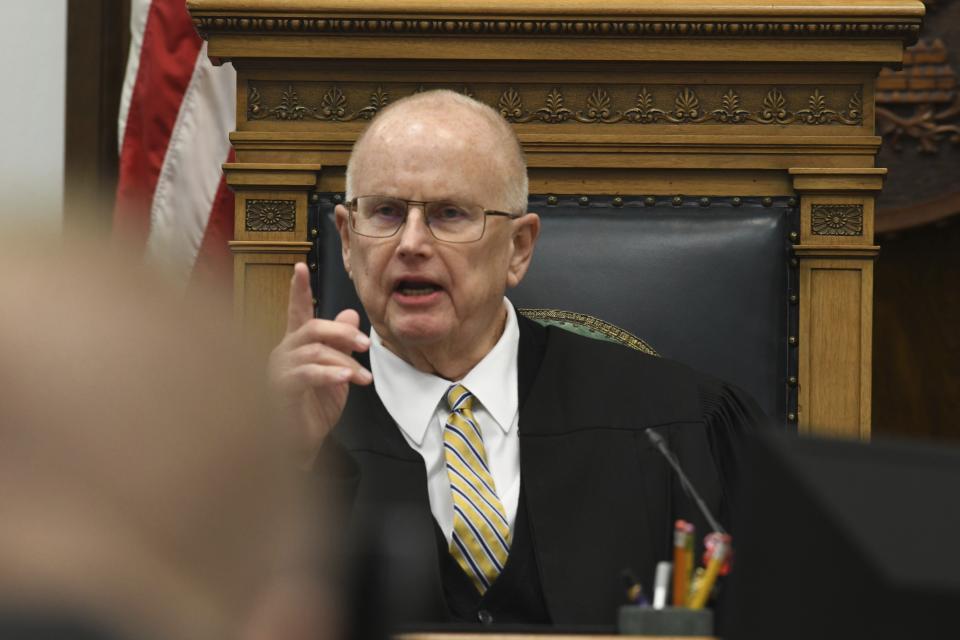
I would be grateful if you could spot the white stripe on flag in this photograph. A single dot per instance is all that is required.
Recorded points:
(139, 10)
(192, 169)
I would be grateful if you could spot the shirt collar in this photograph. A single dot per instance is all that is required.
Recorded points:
(411, 397)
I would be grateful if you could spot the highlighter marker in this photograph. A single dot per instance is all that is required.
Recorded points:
(705, 586)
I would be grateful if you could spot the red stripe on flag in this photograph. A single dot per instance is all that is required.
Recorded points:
(167, 59)
(214, 265)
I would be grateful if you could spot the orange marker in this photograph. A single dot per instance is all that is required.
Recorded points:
(683, 533)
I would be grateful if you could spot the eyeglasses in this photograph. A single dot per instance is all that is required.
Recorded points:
(382, 217)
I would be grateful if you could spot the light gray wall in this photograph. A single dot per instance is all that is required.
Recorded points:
(33, 43)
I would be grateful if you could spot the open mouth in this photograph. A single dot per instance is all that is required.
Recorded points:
(416, 288)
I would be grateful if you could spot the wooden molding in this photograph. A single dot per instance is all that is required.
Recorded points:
(837, 251)
(252, 175)
(837, 180)
(567, 18)
(247, 246)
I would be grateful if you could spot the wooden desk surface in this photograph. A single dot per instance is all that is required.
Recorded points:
(531, 636)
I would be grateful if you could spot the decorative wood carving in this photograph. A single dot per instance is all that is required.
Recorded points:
(601, 105)
(271, 215)
(208, 25)
(918, 115)
(836, 219)
(928, 84)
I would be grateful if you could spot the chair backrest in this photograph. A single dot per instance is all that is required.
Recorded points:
(707, 282)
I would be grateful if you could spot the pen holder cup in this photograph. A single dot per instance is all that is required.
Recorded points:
(669, 621)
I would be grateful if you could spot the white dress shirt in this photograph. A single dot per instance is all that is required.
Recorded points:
(416, 401)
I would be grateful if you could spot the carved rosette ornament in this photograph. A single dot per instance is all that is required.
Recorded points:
(836, 219)
(686, 106)
(270, 215)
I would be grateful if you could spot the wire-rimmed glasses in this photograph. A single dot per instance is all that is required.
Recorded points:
(448, 221)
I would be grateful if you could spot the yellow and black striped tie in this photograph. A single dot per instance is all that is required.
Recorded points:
(481, 535)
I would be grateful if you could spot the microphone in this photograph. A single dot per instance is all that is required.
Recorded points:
(688, 487)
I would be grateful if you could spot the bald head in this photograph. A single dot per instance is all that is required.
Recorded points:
(450, 121)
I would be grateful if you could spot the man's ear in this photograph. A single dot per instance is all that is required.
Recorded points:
(526, 229)
(342, 220)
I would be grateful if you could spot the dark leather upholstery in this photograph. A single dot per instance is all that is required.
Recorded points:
(706, 285)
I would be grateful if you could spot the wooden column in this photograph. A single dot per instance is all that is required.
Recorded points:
(270, 222)
(836, 254)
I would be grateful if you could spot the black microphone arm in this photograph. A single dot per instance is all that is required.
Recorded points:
(688, 487)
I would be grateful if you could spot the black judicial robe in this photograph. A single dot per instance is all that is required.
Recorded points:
(599, 498)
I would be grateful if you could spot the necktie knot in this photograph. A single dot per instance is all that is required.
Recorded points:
(459, 399)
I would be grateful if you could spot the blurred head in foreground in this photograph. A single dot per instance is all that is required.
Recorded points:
(142, 489)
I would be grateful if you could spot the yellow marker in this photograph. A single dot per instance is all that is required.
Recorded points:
(695, 583)
(705, 585)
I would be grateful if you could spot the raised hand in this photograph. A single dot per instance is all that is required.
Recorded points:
(310, 371)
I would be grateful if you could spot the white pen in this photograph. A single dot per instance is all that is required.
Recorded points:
(660, 584)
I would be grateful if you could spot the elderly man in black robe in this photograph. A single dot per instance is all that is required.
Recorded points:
(521, 447)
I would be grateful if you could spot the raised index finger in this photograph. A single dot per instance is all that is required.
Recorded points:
(300, 305)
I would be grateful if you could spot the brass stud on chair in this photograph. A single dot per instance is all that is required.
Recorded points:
(704, 202)
(617, 201)
(768, 201)
(736, 201)
(314, 302)
(314, 233)
(794, 298)
(649, 201)
(792, 202)
(792, 381)
(314, 198)
(791, 417)
(792, 341)
(551, 199)
(794, 262)
(313, 266)
(584, 201)
(677, 201)
(337, 198)
(794, 237)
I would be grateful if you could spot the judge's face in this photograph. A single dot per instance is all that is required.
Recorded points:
(420, 292)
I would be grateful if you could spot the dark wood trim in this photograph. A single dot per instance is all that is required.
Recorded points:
(98, 37)
(921, 213)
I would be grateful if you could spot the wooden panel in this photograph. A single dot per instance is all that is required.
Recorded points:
(259, 284)
(834, 374)
(262, 273)
(917, 346)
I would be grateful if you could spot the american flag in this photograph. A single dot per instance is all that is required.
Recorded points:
(176, 113)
